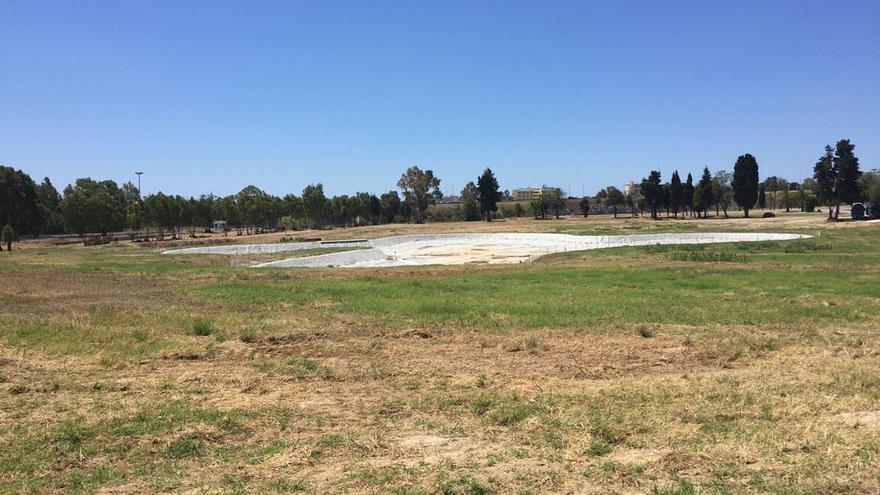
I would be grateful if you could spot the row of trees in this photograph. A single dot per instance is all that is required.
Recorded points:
(90, 206)
(87, 205)
(836, 179)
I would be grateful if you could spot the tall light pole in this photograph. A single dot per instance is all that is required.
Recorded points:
(139, 174)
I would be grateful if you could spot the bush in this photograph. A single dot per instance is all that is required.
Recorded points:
(810, 204)
(202, 328)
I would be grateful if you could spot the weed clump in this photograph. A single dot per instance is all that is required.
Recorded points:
(202, 328)
(708, 257)
(184, 447)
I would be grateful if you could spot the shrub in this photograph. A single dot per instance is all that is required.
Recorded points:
(202, 328)
(599, 448)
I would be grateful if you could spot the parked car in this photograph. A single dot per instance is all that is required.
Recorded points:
(858, 211)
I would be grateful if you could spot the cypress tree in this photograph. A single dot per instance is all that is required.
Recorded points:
(745, 182)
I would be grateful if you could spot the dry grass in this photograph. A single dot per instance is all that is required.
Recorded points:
(110, 381)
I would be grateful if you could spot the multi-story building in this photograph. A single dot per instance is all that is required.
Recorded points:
(531, 193)
(630, 188)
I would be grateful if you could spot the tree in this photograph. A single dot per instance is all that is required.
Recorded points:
(823, 174)
(613, 198)
(846, 171)
(470, 209)
(390, 206)
(18, 201)
(315, 204)
(786, 197)
(7, 236)
(762, 197)
(722, 190)
(538, 207)
(50, 219)
(420, 190)
(745, 182)
(487, 193)
(651, 191)
(687, 195)
(551, 199)
(584, 205)
(675, 194)
(703, 195)
(90, 206)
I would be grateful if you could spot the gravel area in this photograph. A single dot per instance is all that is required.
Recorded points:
(458, 249)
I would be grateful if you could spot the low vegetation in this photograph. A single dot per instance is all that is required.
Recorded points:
(725, 368)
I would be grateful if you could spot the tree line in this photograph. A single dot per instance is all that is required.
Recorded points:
(90, 206)
(102, 207)
(836, 180)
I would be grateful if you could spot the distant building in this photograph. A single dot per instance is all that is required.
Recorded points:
(531, 193)
(219, 225)
(450, 200)
(630, 188)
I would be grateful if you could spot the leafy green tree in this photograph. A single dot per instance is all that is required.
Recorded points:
(315, 204)
(538, 208)
(18, 201)
(703, 196)
(613, 198)
(846, 170)
(51, 221)
(390, 206)
(292, 206)
(652, 192)
(722, 190)
(786, 196)
(470, 209)
(487, 193)
(420, 190)
(824, 176)
(745, 182)
(552, 199)
(7, 236)
(90, 206)
(762, 197)
(584, 205)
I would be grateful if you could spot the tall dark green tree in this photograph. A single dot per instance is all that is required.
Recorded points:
(823, 174)
(18, 201)
(652, 192)
(847, 187)
(687, 195)
(745, 182)
(703, 194)
(675, 194)
(488, 194)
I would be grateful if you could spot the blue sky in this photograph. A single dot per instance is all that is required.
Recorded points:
(212, 96)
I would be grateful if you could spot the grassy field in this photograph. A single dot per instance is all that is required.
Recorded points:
(730, 368)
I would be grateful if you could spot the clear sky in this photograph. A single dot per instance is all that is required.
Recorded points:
(214, 95)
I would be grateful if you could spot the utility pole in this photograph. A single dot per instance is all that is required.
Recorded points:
(139, 174)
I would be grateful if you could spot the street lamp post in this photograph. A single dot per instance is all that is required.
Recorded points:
(139, 174)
